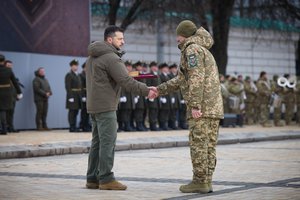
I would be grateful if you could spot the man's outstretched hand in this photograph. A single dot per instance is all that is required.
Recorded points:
(153, 92)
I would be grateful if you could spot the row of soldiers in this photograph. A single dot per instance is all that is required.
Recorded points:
(134, 112)
(252, 101)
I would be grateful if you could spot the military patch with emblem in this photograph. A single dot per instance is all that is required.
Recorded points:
(192, 60)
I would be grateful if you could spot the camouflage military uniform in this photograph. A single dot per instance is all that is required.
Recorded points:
(279, 91)
(250, 90)
(264, 94)
(198, 80)
(289, 101)
(236, 90)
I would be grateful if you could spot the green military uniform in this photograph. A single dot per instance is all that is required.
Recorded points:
(198, 80)
(164, 106)
(126, 108)
(153, 104)
(175, 104)
(73, 100)
(236, 90)
(7, 81)
(264, 94)
(84, 116)
(251, 94)
(225, 96)
(140, 106)
(41, 87)
(289, 101)
(278, 93)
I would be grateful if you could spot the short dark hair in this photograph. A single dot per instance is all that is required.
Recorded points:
(262, 73)
(111, 30)
(2, 58)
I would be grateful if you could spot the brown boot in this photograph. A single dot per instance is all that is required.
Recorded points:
(113, 185)
(193, 187)
(92, 185)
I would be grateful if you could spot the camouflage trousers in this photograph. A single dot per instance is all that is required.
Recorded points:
(289, 112)
(203, 138)
(264, 113)
(250, 112)
(277, 114)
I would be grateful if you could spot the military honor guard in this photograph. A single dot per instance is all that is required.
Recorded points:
(73, 98)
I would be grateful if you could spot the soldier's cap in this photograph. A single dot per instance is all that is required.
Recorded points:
(247, 78)
(163, 65)
(138, 63)
(74, 62)
(127, 63)
(186, 28)
(173, 66)
(2, 58)
(153, 63)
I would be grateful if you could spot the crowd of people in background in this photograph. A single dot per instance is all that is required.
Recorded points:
(250, 101)
(261, 101)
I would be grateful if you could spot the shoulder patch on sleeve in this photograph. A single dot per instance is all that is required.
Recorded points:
(192, 60)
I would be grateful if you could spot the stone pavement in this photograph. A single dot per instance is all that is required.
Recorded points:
(58, 142)
(260, 170)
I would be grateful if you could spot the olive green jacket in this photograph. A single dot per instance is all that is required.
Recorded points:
(105, 75)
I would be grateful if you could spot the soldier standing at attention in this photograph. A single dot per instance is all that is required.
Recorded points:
(164, 101)
(7, 80)
(175, 100)
(42, 92)
(198, 79)
(10, 113)
(264, 94)
(73, 101)
(84, 116)
(153, 104)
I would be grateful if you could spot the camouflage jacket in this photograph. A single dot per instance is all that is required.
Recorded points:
(198, 77)
(264, 91)
(250, 92)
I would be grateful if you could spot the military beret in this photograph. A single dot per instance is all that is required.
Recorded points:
(247, 78)
(186, 28)
(163, 65)
(138, 63)
(2, 58)
(74, 62)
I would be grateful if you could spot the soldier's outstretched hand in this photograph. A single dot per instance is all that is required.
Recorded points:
(153, 93)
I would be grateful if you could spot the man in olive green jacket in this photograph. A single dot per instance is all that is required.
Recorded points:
(105, 75)
(42, 92)
(198, 79)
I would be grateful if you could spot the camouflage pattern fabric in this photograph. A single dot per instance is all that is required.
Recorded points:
(198, 80)
(264, 94)
(203, 138)
(289, 101)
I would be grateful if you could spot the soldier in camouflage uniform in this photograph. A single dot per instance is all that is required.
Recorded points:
(278, 91)
(175, 99)
(198, 79)
(251, 93)
(289, 101)
(236, 90)
(264, 94)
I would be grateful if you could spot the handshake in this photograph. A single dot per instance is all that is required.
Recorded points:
(153, 93)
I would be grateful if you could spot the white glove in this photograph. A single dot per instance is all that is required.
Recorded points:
(182, 101)
(173, 100)
(163, 100)
(136, 99)
(151, 100)
(71, 100)
(83, 99)
(123, 99)
(20, 96)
